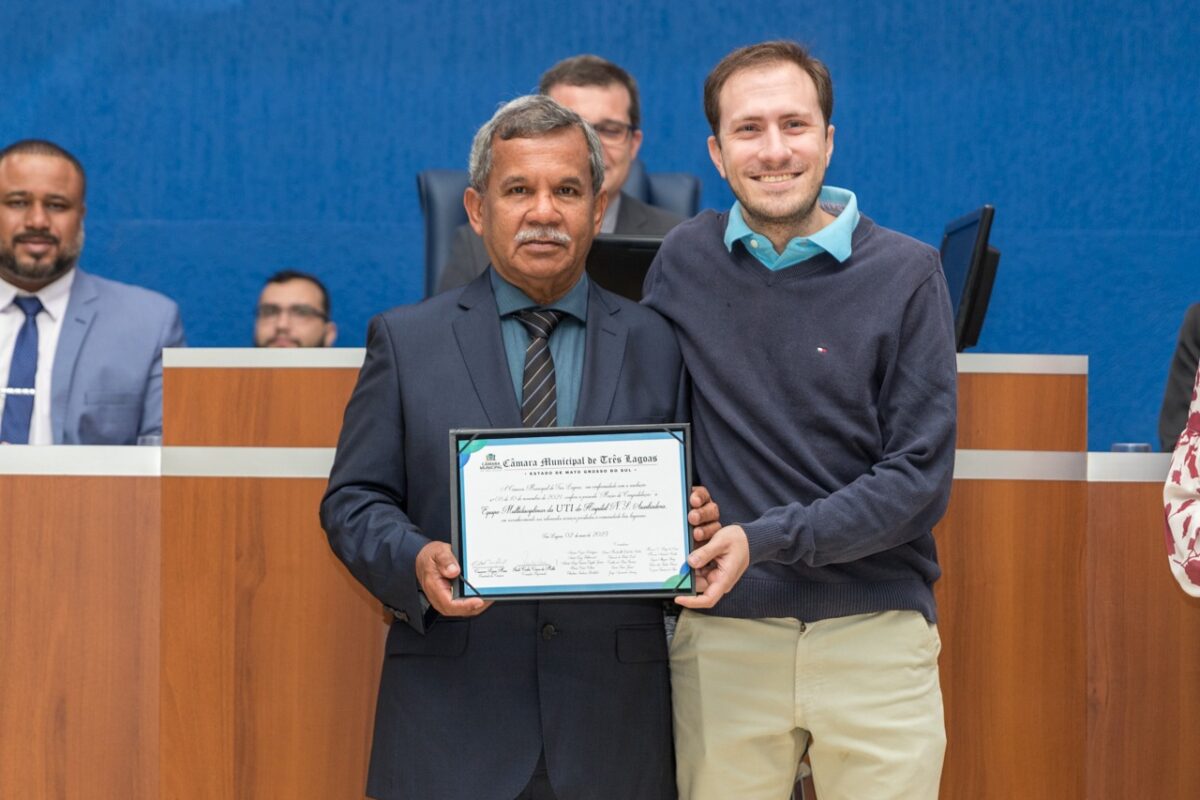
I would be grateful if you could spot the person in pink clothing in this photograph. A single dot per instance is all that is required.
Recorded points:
(1181, 498)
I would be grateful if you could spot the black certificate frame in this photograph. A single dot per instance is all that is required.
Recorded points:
(466, 441)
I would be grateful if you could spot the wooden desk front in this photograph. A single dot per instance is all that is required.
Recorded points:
(191, 635)
(79, 657)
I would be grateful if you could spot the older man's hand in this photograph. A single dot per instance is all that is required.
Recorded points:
(705, 515)
(436, 568)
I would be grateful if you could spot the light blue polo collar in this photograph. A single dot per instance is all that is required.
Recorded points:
(835, 238)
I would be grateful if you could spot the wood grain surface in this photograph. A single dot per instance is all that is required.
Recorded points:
(1011, 616)
(79, 659)
(250, 407)
(1143, 653)
(1001, 411)
(271, 651)
(191, 637)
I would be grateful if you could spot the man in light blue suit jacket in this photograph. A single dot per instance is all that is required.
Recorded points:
(98, 343)
(107, 378)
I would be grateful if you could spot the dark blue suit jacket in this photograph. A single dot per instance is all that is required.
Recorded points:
(466, 706)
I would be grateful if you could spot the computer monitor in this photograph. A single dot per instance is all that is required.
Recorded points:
(970, 266)
(619, 262)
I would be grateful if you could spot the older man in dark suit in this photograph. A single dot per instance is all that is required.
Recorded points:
(607, 97)
(519, 699)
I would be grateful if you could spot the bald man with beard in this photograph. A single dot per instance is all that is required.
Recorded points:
(80, 355)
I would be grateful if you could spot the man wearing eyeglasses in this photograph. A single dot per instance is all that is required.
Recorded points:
(293, 311)
(606, 96)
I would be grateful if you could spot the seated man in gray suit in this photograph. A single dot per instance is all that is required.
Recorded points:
(606, 96)
(521, 699)
(80, 356)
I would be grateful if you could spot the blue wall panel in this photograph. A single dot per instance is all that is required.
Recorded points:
(225, 140)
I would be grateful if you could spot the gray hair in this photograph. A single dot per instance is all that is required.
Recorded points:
(525, 118)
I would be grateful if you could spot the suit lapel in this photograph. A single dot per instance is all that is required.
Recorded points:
(477, 331)
(630, 217)
(605, 353)
(77, 320)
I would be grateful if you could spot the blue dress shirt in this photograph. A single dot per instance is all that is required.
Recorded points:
(567, 341)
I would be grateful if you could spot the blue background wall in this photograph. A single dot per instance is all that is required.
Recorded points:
(227, 139)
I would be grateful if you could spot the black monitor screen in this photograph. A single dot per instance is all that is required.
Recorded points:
(620, 262)
(970, 267)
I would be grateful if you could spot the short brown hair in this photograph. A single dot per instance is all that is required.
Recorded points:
(762, 55)
(589, 70)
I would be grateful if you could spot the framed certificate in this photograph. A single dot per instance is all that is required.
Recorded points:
(572, 512)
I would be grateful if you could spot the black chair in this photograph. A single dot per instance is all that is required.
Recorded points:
(674, 191)
(441, 193)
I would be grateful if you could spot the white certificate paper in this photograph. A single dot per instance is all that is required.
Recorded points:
(572, 511)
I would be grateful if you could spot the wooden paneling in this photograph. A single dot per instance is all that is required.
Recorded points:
(198, 718)
(79, 581)
(1022, 412)
(273, 688)
(235, 658)
(249, 407)
(1011, 618)
(1143, 653)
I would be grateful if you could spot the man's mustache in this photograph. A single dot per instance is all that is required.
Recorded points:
(542, 234)
(35, 238)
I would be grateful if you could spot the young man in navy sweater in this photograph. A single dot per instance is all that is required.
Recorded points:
(821, 351)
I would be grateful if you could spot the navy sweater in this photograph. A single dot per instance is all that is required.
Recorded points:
(823, 413)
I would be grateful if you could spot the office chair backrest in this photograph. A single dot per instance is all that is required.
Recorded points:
(441, 195)
(674, 191)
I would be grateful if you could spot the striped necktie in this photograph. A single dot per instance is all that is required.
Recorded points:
(18, 393)
(539, 403)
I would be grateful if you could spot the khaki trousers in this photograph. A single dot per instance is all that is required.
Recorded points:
(861, 693)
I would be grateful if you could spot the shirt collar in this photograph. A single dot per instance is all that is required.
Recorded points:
(54, 296)
(835, 238)
(510, 299)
